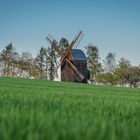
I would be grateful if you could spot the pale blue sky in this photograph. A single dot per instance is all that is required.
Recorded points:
(111, 25)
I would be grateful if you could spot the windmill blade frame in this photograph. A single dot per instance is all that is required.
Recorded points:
(70, 46)
(64, 57)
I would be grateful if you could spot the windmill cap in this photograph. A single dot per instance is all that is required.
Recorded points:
(78, 54)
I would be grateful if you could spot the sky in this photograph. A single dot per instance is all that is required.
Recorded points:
(111, 25)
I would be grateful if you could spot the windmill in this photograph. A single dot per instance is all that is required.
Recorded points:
(70, 71)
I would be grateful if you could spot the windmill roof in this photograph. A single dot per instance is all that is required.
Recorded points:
(78, 54)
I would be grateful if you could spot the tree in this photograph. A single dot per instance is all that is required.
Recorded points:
(9, 57)
(124, 63)
(35, 72)
(133, 76)
(110, 62)
(122, 71)
(51, 63)
(27, 62)
(106, 78)
(63, 44)
(41, 62)
(93, 61)
(1, 65)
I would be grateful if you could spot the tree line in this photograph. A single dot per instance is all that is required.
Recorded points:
(43, 66)
(110, 72)
(24, 65)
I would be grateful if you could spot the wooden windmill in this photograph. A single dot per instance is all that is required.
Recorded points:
(70, 71)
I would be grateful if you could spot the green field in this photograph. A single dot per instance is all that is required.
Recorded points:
(46, 110)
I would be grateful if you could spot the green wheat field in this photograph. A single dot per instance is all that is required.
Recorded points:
(47, 110)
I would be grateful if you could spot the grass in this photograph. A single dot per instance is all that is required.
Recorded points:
(46, 110)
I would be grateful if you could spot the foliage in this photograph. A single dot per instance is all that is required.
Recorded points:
(9, 57)
(123, 75)
(124, 63)
(51, 63)
(27, 59)
(110, 62)
(41, 61)
(63, 44)
(25, 65)
(133, 76)
(106, 78)
(93, 61)
(122, 71)
(38, 109)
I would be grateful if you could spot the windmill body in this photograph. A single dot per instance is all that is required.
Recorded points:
(79, 60)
